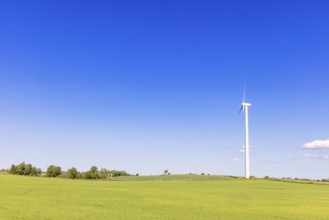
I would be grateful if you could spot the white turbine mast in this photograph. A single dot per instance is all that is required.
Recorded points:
(244, 108)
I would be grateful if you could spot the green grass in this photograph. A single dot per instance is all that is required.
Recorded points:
(158, 197)
(182, 177)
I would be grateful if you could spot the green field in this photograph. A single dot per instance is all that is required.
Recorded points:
(175, 197)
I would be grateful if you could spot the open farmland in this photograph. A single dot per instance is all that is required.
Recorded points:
(189, 197)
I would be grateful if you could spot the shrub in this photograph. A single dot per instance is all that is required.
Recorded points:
(115, 173)
(63, 175)
(79, 176)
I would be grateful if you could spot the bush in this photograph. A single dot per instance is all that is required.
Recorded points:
(79, 176)
(63, 176)
(115, 173)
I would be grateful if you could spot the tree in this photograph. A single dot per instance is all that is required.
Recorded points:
(87, 175)
(28, 169)
(72, 173)
(165, 172)
(53, 171)
(35, 171)
(12, 169)
(104, 173)
(20, 169)
(93, 169)
(24, 169)
(92, 173)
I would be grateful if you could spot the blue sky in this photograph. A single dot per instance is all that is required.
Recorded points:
(151, 85)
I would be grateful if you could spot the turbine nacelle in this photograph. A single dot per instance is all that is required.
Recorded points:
(245, 104)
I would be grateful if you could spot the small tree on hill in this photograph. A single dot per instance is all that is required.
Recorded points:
(92, 173)
(72, 173)
(28, 169)
(35, 171)
(53, 171)
(20, 169)
(104, 173)
(24, 169)
(12, 169)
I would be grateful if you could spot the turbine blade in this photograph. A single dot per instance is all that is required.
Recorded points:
(241, 109)
(244, 94)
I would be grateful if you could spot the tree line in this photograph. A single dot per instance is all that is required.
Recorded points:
(72, 173)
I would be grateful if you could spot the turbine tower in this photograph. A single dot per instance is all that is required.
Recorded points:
(244, 107)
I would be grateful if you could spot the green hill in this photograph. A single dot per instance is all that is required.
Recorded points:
(172, 197)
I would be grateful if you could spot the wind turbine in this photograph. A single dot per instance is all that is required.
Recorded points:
(244, 108)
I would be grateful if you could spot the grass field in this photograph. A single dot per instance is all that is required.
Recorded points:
(175, 197)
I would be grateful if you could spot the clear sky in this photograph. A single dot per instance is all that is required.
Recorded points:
(146, 86)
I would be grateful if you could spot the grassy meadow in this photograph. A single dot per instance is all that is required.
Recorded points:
(158, 197)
